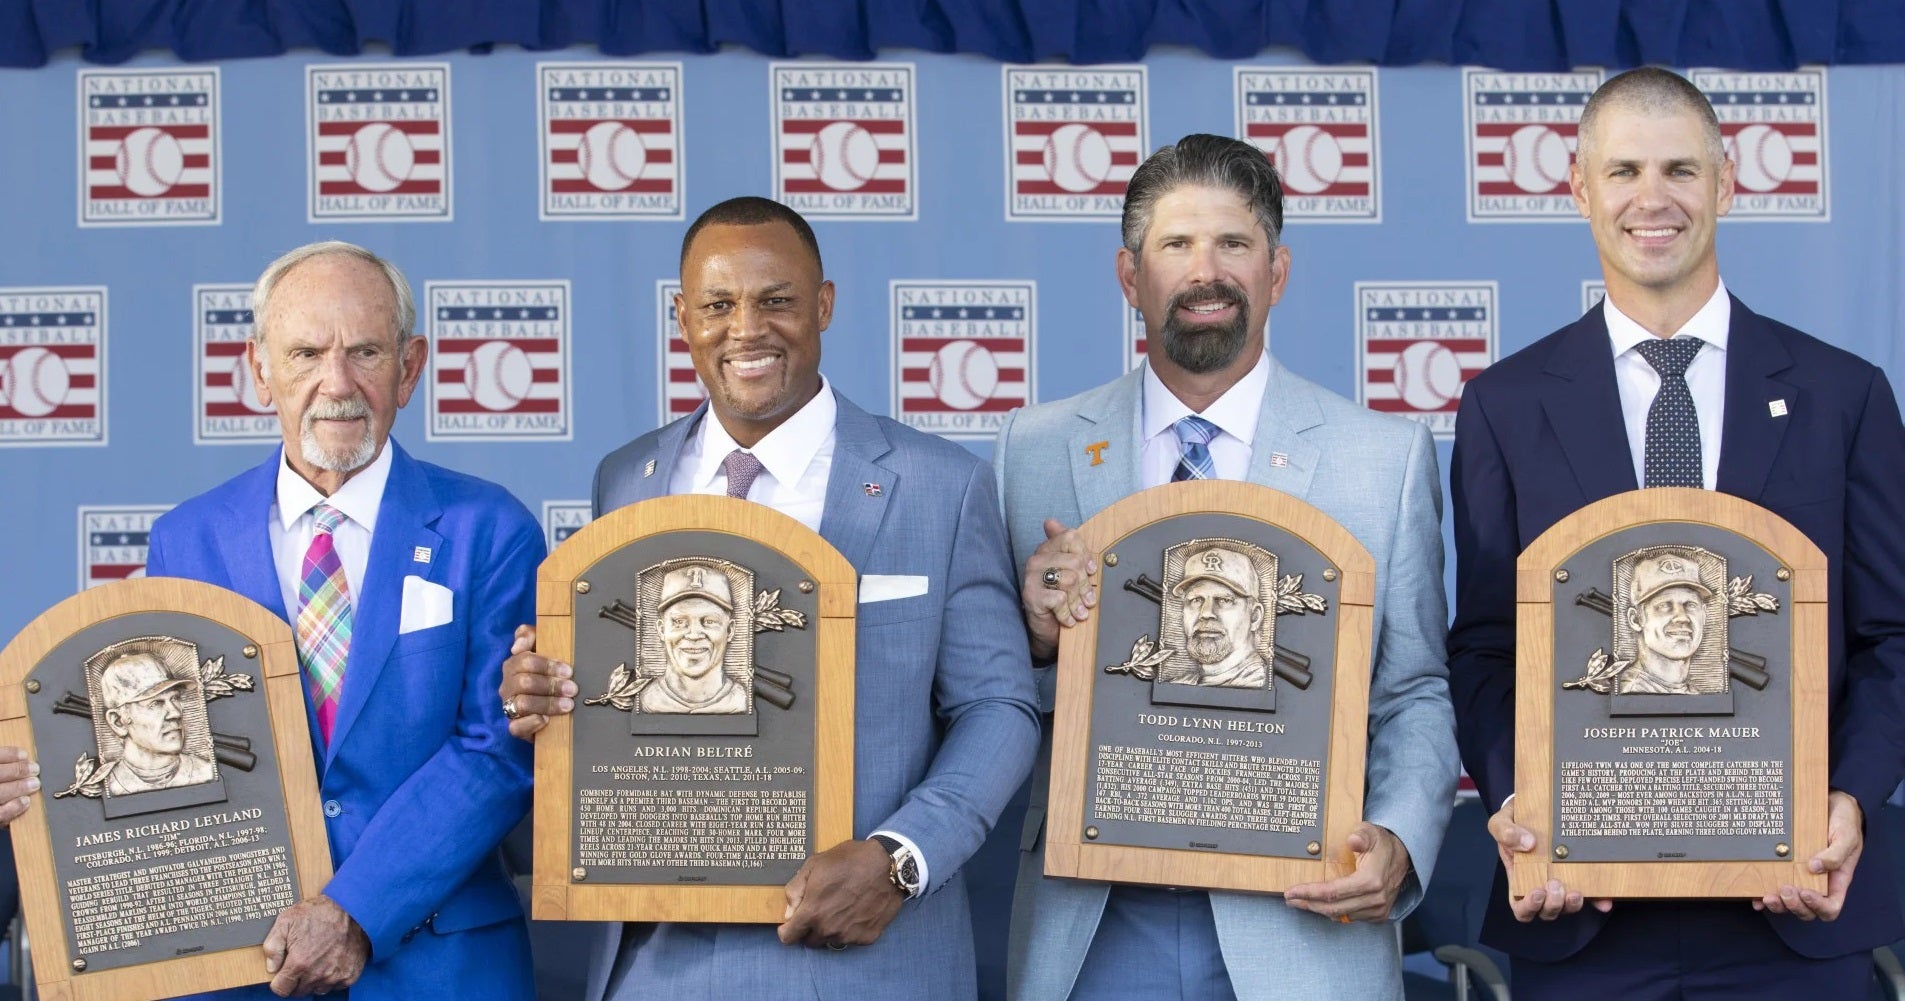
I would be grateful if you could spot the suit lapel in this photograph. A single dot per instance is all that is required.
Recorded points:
(244, 547)
(1112, 419)
(404, 522)
(638, 483)
(1750, 434)
(1583, 404)
(1289, 409)
(851, 517)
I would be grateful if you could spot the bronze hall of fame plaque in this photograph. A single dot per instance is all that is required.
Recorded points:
(1671, 701)
(711, 750)
(1211, 718)
(179, 812)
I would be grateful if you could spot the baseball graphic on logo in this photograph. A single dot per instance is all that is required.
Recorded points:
(1762, 156)
(1308, 159)
(245, 386)
(1536, 159)
(34, 382)
(498, 375)
(610, 156)
(149, 162)
(379, 157)
(1428, 375)
(1077, 157)
(844, 156)
(963, 375)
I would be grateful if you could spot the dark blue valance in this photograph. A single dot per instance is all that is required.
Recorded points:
(1509, 34)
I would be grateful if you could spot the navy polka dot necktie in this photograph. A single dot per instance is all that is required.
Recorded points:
(1673, 428)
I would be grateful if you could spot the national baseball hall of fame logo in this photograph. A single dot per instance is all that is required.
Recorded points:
(113, 541)
(1774, 125)
(379, 141)
(1318, 127)
(844, 140)
(148, 147)
(962, 354)
(681, 390)
(224, 393)
(1520, 131)
(53, 366)
(1072, 140)
(499, 367)
(1419, 343)
(561, 519)
(611, 140)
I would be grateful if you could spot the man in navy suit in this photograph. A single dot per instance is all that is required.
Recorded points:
(946, 719)
(1762, 411)
(419, 776)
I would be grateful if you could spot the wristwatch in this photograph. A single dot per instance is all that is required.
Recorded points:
(902, 868)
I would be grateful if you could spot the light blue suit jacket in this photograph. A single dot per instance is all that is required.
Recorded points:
(421, 779)
(1376, 475)
(945, 714)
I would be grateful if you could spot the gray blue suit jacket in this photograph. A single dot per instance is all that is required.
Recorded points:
(1376, 475)
(945, 712)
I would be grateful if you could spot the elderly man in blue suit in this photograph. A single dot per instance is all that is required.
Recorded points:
(1673, 382)
(402, 581)
(1203, 261)
(945, 717)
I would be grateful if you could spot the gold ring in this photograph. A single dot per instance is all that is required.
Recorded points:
(1343, 919)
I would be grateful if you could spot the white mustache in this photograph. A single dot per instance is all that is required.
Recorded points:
(355, 408)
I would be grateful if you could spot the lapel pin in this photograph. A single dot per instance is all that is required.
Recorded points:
(421, 554)
(1279, 459)
(872, 489)
(1776, 407)
(648, 468)
(1097, 452)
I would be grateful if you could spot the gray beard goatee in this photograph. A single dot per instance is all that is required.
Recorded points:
(350, 461)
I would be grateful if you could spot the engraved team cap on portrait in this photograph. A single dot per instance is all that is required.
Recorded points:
(696, 581)
(1225, 566)
(135, 678)
(1657, 573)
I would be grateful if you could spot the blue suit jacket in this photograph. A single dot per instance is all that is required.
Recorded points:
(421, 768)
(945, 717)
(1375, 475)
(1540, 435)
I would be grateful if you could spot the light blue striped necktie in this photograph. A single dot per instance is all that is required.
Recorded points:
(1194, 434)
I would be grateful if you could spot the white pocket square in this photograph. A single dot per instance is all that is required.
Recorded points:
(425, 604)
(886, 587)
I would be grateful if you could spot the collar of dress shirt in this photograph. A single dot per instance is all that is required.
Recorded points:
(359, 498)
(1710, 324)
(1234, 413)
(786, 451)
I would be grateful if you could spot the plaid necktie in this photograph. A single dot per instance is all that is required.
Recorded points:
(742, 467)
(324, 619)
(1193, 437)
(1672, 458)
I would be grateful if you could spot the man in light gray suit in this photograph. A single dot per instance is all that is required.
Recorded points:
(1202, 261)
(945, 711)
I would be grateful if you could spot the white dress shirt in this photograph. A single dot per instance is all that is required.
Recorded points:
(1234, 414)
(291, 525)
(1706, 380)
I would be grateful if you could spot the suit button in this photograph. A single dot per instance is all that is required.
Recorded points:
(331, 808)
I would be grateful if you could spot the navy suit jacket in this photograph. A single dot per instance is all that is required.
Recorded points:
(1540, 435)
(421, 779)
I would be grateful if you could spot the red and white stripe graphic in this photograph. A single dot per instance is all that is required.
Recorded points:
(1074, 158)
(822, 155)
(681, 388)
(49, 381)
(1328, 158)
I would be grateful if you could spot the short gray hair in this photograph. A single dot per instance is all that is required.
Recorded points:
(1655, 91)
(1210, 161)
(275, 271)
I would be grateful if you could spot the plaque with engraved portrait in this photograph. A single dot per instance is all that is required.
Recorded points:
(179, 808)
(1211, 717)
(711, 750)
(1670, 700)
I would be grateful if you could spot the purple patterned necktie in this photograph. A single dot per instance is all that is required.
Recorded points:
(742, 467)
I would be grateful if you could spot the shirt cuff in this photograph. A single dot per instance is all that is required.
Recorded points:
(925, 874)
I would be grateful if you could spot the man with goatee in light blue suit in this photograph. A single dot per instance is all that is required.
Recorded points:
(1203, 261)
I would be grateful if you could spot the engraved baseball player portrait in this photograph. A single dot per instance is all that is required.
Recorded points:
(149, 715)
(694, 662)
(1675, 628)
(1217, 615)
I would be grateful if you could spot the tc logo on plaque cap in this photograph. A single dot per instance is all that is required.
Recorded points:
(224, 392)
(52, 366)
(681, 390)
(1774, 125)
(561, 519)
(962, 354)
(1419, 343)
(379, 141)
(1520, 134)
(843, 140)
(112, 541)
(611, 140)
(1072, 140)
(1319, 128)
(148, 147)
(499, 360)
